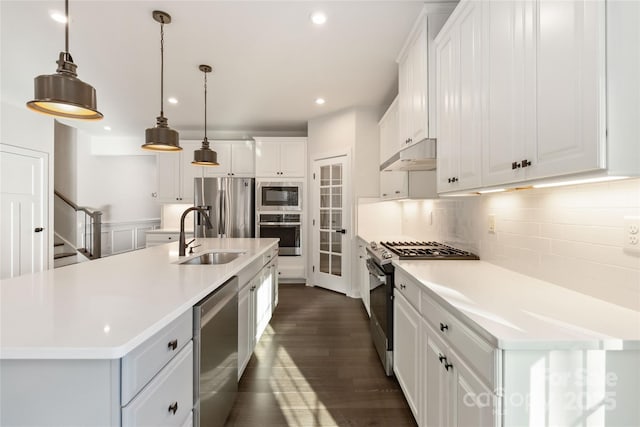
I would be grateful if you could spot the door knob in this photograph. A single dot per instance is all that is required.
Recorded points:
(38, 229)
(341, 230)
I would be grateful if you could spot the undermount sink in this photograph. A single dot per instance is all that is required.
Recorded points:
(213, 258)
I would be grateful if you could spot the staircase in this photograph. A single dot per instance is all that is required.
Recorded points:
(65, 254)
(74, 223)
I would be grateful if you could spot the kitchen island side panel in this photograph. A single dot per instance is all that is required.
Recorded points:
(71, 392)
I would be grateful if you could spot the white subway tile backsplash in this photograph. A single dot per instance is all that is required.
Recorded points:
(570, 236)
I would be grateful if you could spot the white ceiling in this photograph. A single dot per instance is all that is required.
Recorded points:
(270, 62)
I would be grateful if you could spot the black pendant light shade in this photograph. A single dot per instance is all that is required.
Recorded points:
(161, 137)
(63, 94)
(205, 156)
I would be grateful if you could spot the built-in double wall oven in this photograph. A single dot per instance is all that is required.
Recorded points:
(284, 226)
(279, 206)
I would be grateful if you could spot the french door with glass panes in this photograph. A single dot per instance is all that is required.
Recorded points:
(331, 224)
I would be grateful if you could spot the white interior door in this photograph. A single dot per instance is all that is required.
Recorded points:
(331, 224)
(23, 207)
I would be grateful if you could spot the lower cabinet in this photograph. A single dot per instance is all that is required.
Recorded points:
(363, 275)
(257, 299)
(406, 356)
(452, 394)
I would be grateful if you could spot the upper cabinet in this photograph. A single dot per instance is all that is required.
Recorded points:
(416, 76)
(545, 89)
(400, 184)
(459, 101)
(175, 174)
(236, 158)
(537, 87)
(280, 157)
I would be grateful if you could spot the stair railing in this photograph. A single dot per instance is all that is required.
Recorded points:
(92, 237)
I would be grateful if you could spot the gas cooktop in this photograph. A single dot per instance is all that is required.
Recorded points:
(384, 252)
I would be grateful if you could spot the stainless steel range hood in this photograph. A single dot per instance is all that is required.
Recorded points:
(417, 157)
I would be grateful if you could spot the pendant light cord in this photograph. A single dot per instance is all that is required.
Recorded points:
(205, 106)
(66, 27)
(162, 68)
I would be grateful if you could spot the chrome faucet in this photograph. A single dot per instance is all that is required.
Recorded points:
(182, 240)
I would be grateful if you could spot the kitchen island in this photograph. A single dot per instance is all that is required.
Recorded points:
(68, 336)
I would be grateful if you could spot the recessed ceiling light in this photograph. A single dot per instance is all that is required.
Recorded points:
(318, 18)
(320, 101)
(107, 128)
(172, 100)
(58, 17)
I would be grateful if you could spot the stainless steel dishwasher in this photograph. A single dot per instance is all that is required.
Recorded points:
(215, 337)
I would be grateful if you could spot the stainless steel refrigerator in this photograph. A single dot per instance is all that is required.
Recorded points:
(230, 203)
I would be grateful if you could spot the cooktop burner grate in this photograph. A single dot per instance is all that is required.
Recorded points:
(426, 250)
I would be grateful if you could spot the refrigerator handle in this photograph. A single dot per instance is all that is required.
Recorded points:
(222, 214)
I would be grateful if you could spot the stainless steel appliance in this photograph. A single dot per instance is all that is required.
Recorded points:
(215, 338)
(230, 204)
(381, 280)
(283, 226)
(279, 196)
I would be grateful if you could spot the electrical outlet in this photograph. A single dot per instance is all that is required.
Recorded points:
(632, 233)
(492, 223)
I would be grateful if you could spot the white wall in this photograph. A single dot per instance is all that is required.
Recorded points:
(570, 236)
(120, 186)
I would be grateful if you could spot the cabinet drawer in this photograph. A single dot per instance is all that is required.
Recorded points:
(473, 349)
(408, 287)
(168, 399)
(141, 364)
(155, 239)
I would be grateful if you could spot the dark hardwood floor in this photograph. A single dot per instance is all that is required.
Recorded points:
(316, 366)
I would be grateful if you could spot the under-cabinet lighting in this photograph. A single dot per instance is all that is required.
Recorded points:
(107, 128)
(496, 190)
(320, 101)
(579, 181)
(172, 100)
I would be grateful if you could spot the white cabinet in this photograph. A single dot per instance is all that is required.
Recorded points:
(453, 394)
(160, 237)
(257, 299)
(363, 275)
(400, 184)
(235, 158)
(175, 174)
(406, 351)
(416, 97)
(545, 83)
(389, 130)
(246, 326)
(459, 103)
(280, 157)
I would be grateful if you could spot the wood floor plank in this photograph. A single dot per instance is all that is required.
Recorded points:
(316, 366)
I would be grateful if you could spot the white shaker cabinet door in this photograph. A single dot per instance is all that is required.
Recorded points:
(406, 338)
(267, 159)
(435, 378)
(570, 85)
(473, 402)
(509, 70)
(243, 162)
(223, 152)
(169, 179)
(293, 158)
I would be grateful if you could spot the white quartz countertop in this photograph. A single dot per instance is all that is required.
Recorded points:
(518, 312)
(104, 308)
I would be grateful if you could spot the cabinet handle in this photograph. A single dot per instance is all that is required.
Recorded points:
(38, 230)
(442, 358)
(173, 408)
(173, 344)
(526, 163)
(397, 192)
(253, 288)
(384, 194)
(515, 165)
(447, 365)
(402, 286)
(443, 327)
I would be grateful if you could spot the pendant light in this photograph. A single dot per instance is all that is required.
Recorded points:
(161, 137)
(205, 156)
(63, 94)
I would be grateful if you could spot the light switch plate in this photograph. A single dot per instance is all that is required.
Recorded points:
(632, 234)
